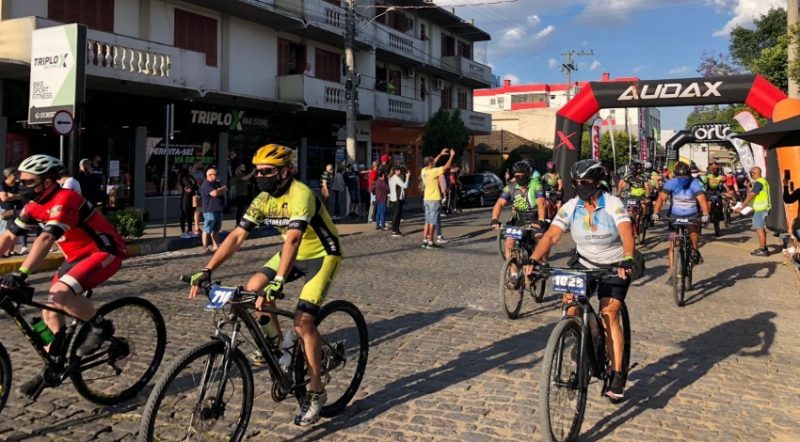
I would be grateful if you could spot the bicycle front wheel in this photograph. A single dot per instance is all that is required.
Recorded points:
(512, 288)
(563, 398)
(5, 376)
(345, 348)
(202, 396)
(126, 362)
(678, 275)
(501, 243)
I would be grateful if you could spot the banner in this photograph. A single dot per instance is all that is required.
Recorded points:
(57, 71)
(749, 122)
(643, 150)
(745, 156)
(596, 138)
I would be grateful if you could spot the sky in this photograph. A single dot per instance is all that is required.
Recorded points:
(649, 39)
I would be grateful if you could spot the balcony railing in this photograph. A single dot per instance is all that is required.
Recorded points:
(312, 92)
(400, 43)
(469, 68)
(317, 13)
(397, 108)
(476, 122)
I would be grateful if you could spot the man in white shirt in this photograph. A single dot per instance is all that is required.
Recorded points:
(398, 184)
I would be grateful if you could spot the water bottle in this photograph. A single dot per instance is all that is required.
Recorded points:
(269, 330)
(289, 340)
(40, 327)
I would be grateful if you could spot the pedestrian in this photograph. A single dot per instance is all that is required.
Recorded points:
(90, 185)
(240, 189)
(212, 193)
(9, 197)
(351, 181)
(363, 189)
(760, 197)
(188, 206)
(373, 175)
(398, 184)
(339, 192)
(68, 182)
(197, 202)
(381, 198)
(326, 182)
(432, 199)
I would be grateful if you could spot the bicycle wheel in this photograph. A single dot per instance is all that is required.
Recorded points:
(345, 347)
(5, 376)
(678, 273)
(716, 228)
(563, 399)
(536, 286)
(642, 229)
(511, 292)
(126, 362)
(201, 397)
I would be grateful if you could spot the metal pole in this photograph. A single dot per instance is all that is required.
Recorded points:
(351, 88)
(630, 140)
(613, 148)
(61, 148)
(167, 135)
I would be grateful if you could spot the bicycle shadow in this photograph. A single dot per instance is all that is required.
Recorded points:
(468, 365)
(728, 278)
(68, 424)
(656, 384)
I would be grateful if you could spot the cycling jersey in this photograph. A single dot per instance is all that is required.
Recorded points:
(729, 181)
(683, 191)
(79, 229)
(741, 179)
(550, 181)
(524, 202)
(654, 180)
(636, 184)
(715, 181)
(298, 208)
(596, 237)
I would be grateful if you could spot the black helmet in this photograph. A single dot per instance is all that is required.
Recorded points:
(637, 166)
(587, 170)
(682, 169)
(521, 167)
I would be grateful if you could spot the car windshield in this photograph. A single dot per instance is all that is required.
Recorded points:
(471, 180)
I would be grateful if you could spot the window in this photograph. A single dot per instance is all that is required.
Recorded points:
(329, 65)
(528, 98)
(291, 58)
(394, 83)
(333, 2)
(96, 14)
(462, 99)
(501, 102)
(465, 50)
(196, 33)
(423, 32)
(448, 45)
(447, 97)
(492, 101)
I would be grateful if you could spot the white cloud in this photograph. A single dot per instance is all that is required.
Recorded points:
(534, 20)
(514, 79)
(544, 32)
(744, 12)
(552, 63)
(679, 70)
(640, 68)
(595, 65)
(514, 35)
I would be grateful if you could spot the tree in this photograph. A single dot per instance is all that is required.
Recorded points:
(536, 152)
(764, 49)
(445, 129)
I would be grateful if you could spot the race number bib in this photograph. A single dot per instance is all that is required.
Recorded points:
(632, 202)
(218, 297)
(569, 282)
(513, 233)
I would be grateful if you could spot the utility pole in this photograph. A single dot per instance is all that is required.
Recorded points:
(793, 10)
(351, 86)
(569, 66)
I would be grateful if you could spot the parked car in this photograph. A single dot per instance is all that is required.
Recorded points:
(478, 189)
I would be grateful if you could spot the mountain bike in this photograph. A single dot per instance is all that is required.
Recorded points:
(512, 289)
(717, 210)
(207, 392)
(726, 210)
(682, 258)
(576, 352)
(551, 200)
(639, 217)
(116, 372)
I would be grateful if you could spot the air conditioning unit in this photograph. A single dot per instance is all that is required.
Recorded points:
(438, 84)
(410, 72)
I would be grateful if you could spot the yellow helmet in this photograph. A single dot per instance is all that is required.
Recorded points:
(273, 155)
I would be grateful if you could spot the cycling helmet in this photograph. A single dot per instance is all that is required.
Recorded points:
(682, 169)
(587, 170)
(551, 166)
(273, 155)
(536, 174)
(648, 165)
(727, 170)
(521, 167)
(41, 165)
(739, 169)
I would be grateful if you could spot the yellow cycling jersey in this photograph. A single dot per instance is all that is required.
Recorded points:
(715, 181)
(300, 209)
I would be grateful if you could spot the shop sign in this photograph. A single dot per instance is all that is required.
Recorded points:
(57, 70)
(234, 120)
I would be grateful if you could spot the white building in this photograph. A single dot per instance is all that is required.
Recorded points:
(242, 73)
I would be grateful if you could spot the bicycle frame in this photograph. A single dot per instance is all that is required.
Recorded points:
(594, 357)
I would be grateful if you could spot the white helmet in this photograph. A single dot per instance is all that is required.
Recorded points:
(727, 170)
(648, 165)
(41, 165)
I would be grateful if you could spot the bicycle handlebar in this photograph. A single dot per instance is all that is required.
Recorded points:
(239, 290)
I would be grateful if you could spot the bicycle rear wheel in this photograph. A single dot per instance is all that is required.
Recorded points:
(200, 397)
(5, 376)
(678, 274)
(511, 292)
(536, 285)
(345, 348)
(563, 399)
(126, 362)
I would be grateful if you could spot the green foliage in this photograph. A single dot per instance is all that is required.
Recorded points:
(445, 129)
(763, 50)
(539, 154)
(127, 223)
(606, 152)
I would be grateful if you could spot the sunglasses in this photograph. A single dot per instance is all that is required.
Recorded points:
(582, 182)
(33, 182)
(267, 171)
(520, 177)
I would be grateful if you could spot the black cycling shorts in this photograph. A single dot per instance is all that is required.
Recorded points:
(614, 287)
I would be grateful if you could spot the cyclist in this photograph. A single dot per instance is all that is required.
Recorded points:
(603, 235)
(551, 182)
(729, 184)
(686, 195)
(311, 249)
(715, 185)
(93, 252)
(527, 199)
(742, 182)
(638, 185)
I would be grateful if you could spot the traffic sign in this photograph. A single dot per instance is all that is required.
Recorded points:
(63, 122)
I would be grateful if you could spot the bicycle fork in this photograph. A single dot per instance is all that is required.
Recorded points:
(217, 407)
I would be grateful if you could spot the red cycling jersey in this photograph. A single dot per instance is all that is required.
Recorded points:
(730, 181)
(79, 228)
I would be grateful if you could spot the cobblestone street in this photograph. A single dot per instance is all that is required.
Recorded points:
(446, 364)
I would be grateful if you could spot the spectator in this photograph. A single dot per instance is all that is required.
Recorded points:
(67, 182)
(381, 197)
(391, 88)
(363, 188)
(398, 184)
(326, 182)
(351, 181)
(240, 191)
(188, 206)
(791, 196)
(308, 71)
(213, 201)
(197, 203)
(90, 186)
(432, 199)
(385, 159)
(455, 187)
(9, 197)
(339, 193)
(373, 175)
(759, 196)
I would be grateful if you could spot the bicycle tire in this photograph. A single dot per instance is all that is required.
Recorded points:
(511, 299)
(727, 213)
(536, 288)
(330, 343)
(677, 275)
(215, 348)
(642, 229)
(130, 387)
(716, 229)
(5, 376)
(626, 333)
(555, 350)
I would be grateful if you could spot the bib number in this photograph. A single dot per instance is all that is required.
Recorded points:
(218, 297)
(513, 232)
(632, 202)
(574, 283)
(681, 221)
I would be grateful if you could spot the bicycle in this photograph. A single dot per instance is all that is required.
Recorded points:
(115, 372)
(638, 218)
(513, 292)
(717, 210)
(682, 258)
(551, 207)
(576, 352)
(216, 400)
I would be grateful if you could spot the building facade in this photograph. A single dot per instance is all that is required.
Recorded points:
(241, 74)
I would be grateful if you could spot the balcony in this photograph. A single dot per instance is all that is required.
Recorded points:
(479, 73)
(266, 12)
(312, 92)
(476, 122)
(124, 58)
(397, 108)
(399, 43)
(317, 13)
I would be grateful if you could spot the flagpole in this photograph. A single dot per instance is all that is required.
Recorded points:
(613, 146)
